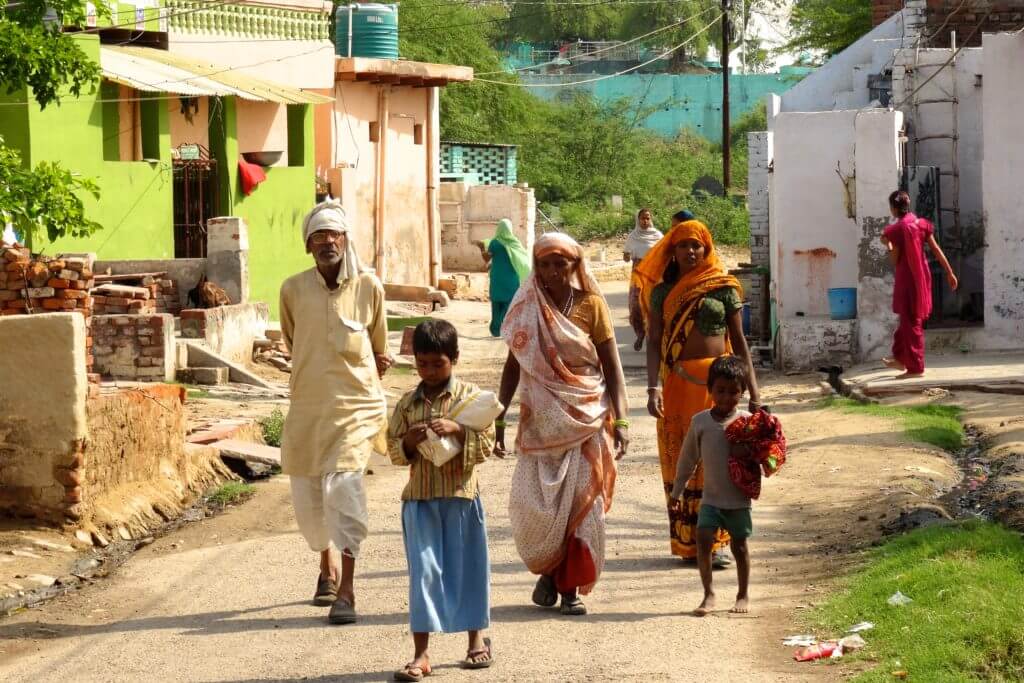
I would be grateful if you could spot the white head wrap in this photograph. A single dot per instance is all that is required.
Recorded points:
(330, 215)
(641, 240)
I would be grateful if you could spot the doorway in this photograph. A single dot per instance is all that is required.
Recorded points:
(195, 199)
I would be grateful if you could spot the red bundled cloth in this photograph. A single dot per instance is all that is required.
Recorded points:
(765, 450)
(251, 175)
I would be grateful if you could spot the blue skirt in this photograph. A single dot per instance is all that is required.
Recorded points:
(449, 571)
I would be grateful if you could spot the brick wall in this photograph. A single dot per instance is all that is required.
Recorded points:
(758, 161)
(44, 285)
(942, 17)
(149, 293)
(134, 347)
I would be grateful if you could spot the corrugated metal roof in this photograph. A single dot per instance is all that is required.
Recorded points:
(151, 70)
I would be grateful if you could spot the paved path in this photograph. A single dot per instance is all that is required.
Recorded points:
(227, 599)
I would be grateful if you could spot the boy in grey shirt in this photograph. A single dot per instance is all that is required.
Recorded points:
(723, 505)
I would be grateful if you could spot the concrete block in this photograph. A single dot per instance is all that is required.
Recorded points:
(396, 292)
(211, 376)
(228, 233)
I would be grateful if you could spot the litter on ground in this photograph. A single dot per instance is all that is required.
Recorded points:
(898, 599)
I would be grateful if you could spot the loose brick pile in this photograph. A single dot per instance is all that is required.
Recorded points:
(131, 347)
(44, 285)
(112, 299)
(163, 293)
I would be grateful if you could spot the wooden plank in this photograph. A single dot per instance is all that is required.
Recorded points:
(253, 453)
(346, 76)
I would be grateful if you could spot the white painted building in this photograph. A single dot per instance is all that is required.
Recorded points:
(823, 172)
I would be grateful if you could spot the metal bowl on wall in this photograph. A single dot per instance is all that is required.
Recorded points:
(262, 158)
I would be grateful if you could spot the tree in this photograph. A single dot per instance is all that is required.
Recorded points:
(830, 26)
(643, 18)
(35, 53)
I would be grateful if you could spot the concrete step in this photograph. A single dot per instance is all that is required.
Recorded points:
(208, 376)
(199, 356)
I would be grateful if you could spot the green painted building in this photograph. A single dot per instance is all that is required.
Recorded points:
(164, 133)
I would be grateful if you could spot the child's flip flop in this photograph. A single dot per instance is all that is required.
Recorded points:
(469, 663)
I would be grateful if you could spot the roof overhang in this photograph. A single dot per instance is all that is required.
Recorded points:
(400, 72)
(151, 70)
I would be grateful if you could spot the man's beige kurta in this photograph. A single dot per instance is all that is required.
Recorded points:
(338, 413)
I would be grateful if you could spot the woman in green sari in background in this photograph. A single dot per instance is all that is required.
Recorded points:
(509, 264)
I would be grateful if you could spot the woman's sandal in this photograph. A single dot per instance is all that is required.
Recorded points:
(544, 593)
(572, 606)
(409, 672)
(470, 663)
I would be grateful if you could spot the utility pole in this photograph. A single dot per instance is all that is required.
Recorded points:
(726, 152)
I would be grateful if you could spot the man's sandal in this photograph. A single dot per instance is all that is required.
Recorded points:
(470, 663)
(326, 591)
(409, 672)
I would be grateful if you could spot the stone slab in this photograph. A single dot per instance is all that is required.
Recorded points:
(232, 449)
(990, 373)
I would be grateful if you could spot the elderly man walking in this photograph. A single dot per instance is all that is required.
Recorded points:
(333, 320)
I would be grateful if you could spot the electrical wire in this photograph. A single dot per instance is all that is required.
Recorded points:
(607, 76)
(607, 49)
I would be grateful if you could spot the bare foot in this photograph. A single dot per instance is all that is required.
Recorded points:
(910, 375)
(893, 363)
(741, 606)
(705, 607)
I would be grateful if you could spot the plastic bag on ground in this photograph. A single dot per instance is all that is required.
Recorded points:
(862, 626)
(898, 599)
(852, 643)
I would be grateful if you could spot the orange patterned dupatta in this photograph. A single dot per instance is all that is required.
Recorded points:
(565, 476)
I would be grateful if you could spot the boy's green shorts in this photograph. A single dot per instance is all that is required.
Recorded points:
(737, 522)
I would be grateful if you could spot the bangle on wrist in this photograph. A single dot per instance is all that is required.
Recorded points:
(650, 389)
(621, 422)
(500, 423)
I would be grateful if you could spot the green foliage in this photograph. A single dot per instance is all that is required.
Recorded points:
(555, 21)
(400, 323)
(938, 425)
(964, 622)
(40, 56)
(45, 198)
(272, 426)
(828, 25)
(231, 493)
(51, 64)
(576, 153)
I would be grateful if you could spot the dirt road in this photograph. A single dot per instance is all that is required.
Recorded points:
(227, 599)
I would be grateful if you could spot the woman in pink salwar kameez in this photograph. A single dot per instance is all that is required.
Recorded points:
(912, 291)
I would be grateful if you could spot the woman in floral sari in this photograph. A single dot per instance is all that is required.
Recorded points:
(694, 317)
(564, 361)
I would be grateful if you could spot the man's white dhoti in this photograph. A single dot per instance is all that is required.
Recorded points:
(330, 509)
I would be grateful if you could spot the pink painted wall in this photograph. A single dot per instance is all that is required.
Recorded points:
(183, 132)
(346, 155)
(263, 127)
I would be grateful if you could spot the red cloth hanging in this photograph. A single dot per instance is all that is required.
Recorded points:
(250, 176)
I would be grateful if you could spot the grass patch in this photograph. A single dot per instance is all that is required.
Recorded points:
(964, 624)
(399, 324)
(402, 371)
(938, 425)
(272, 426)
(231, 493)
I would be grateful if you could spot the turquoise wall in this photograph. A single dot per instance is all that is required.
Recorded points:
(685, 101)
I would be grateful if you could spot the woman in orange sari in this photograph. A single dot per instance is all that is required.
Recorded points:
(565, 364)
(694, 317)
